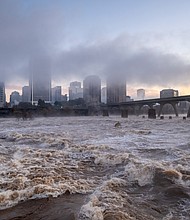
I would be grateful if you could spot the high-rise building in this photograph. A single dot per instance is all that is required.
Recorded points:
(25, 94)
(92, 90)
(116, 90)
(40, 80)
(140, 94)
(56, 94)
(166, 93)
(15, 98)
(64, 98)
(104, 95)
(129, 99)
(75, 90)
(2, 94)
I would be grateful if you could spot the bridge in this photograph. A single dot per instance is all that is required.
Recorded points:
(137, 105)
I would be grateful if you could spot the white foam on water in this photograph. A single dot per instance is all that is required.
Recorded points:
(52, 156)
(169, 216)
(91, 210)
(105, 196)
(35, 173)
(112, 159)
(142, 173)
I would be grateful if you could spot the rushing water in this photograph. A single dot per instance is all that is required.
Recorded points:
(139, 169)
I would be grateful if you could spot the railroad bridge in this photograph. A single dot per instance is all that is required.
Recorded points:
(137, 105)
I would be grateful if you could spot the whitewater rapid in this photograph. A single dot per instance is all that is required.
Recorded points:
(137, 170)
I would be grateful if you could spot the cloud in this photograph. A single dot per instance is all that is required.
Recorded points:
(26, 32)
(30, 31)
(124, 57)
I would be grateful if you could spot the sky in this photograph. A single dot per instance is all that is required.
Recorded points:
(145, 41)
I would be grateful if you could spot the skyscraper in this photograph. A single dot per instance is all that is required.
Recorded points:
(75, 90)
(56, 94)
(25, 94)
(2, 94)
(92, 90)
(104, 95)
(40, 80)
(116, 90)
(166, 93)
(15, 98)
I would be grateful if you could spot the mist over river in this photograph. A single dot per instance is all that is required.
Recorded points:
(87, 168)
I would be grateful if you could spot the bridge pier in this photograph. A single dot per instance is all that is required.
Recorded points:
(175, 108)
(152, 113)
(160, 110)
(188, 113)
(105, 112)
(124, 113)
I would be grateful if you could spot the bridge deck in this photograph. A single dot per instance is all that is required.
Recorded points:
(152, 101)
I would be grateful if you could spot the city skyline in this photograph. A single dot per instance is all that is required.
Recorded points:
(75, 91)
(130, 91)
(145, 41)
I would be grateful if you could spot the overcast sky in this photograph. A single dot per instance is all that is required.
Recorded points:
(146, 41)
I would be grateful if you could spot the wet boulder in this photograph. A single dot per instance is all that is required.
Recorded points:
(117, 124)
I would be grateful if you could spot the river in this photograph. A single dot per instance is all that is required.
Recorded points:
(95, 168)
